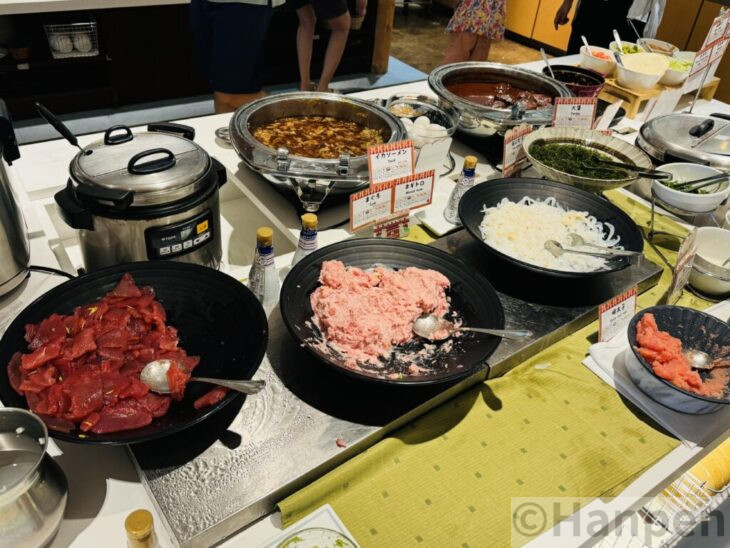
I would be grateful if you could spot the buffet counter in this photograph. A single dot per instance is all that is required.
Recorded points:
(102, 495)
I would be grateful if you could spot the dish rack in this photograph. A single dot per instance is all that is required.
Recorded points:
(669, 516)
(71, 40)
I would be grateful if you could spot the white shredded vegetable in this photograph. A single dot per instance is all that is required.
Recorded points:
(521, 229)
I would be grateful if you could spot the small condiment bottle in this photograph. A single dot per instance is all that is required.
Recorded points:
(140, 530)
(465, 182)
(263, 279)
(307, 238)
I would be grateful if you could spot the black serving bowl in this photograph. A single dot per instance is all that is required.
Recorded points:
(696, 330)
(544, 285)
(471, 296)
(217, 318)
(582, 82)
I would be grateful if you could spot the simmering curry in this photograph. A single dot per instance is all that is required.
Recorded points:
(318, 136)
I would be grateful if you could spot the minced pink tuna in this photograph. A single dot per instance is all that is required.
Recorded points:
(363, 314)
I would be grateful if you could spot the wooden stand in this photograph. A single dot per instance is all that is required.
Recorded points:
(634, 100)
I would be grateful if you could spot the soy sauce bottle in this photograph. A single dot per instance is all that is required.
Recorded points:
(465, 182)
(263, 279)
(307, 238)
(140, 530)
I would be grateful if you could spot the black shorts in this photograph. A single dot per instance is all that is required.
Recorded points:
(229, 38)
(323, 9)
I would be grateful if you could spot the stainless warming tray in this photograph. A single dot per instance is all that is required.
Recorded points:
(480, 120)
(347, 172)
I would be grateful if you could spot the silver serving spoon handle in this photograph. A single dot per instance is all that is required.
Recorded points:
(434, 328)
(154, 375)
(702, 360)
(557, 250)
(578, 240)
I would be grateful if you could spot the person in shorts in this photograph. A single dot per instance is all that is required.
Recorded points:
(229, 37)
(336, 16)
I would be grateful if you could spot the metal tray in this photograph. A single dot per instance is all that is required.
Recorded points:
(227, 472)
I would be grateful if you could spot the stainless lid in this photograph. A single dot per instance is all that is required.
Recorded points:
(158, 168)
(691, 137)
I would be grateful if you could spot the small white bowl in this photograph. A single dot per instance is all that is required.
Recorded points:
(708, 275)
(685, 55)
(674, 77)
(605, 67)
(613, 46)
(660, 46)
(693, 203)
(638, 79)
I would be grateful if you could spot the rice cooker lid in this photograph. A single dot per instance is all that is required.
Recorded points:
(693, 137)
(157, 168)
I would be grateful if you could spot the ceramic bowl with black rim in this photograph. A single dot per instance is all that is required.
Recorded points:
(697, 331)
(610, 148)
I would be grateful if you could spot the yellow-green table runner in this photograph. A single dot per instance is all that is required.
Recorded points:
(549, 428)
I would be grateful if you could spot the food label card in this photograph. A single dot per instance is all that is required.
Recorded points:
(369, 205)
(514, 153)
(413, 191)
(575, 112)
(395, 227)
(666, 103)
(390, 161)
(614, 315)
(604, 122)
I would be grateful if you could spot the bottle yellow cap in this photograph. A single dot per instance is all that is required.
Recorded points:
(309, 220)
(138, 524)
(265, 235)
(470, 162)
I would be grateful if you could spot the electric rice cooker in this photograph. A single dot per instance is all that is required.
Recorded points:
(145, 196)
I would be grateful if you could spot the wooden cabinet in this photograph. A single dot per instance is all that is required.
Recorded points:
(676, 25)
(521, 15)
(706, 16)
(544, 31)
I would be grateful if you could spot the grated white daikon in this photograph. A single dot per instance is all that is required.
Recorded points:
(521, 229)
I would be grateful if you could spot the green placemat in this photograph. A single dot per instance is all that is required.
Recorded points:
(549, 428)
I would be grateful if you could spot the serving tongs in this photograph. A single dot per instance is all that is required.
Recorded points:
(692, 186)
(640, 171)
(557, 250)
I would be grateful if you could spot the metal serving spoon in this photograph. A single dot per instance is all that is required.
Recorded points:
(558, 250)
(578, 240)
(702, 360)
(547, 63)
(428, 325)
(154, 375)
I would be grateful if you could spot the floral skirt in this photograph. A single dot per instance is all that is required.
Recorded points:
(482, 17)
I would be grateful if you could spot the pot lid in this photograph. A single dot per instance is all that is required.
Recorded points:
(693, 137)
(157, 167)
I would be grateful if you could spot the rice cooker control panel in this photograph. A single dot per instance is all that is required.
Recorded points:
(166, 242)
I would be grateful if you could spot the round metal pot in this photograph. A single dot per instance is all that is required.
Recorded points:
(347, 172)
(482, 121)
(145, 196)
(33, 488)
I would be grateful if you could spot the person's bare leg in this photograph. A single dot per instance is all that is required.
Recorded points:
(481, 49)
(340, 28)
(228, 102)
(460, 47)
(305, 37)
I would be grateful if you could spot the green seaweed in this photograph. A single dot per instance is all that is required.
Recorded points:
(576, 160)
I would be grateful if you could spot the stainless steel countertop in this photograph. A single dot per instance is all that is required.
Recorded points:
(222, 475)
